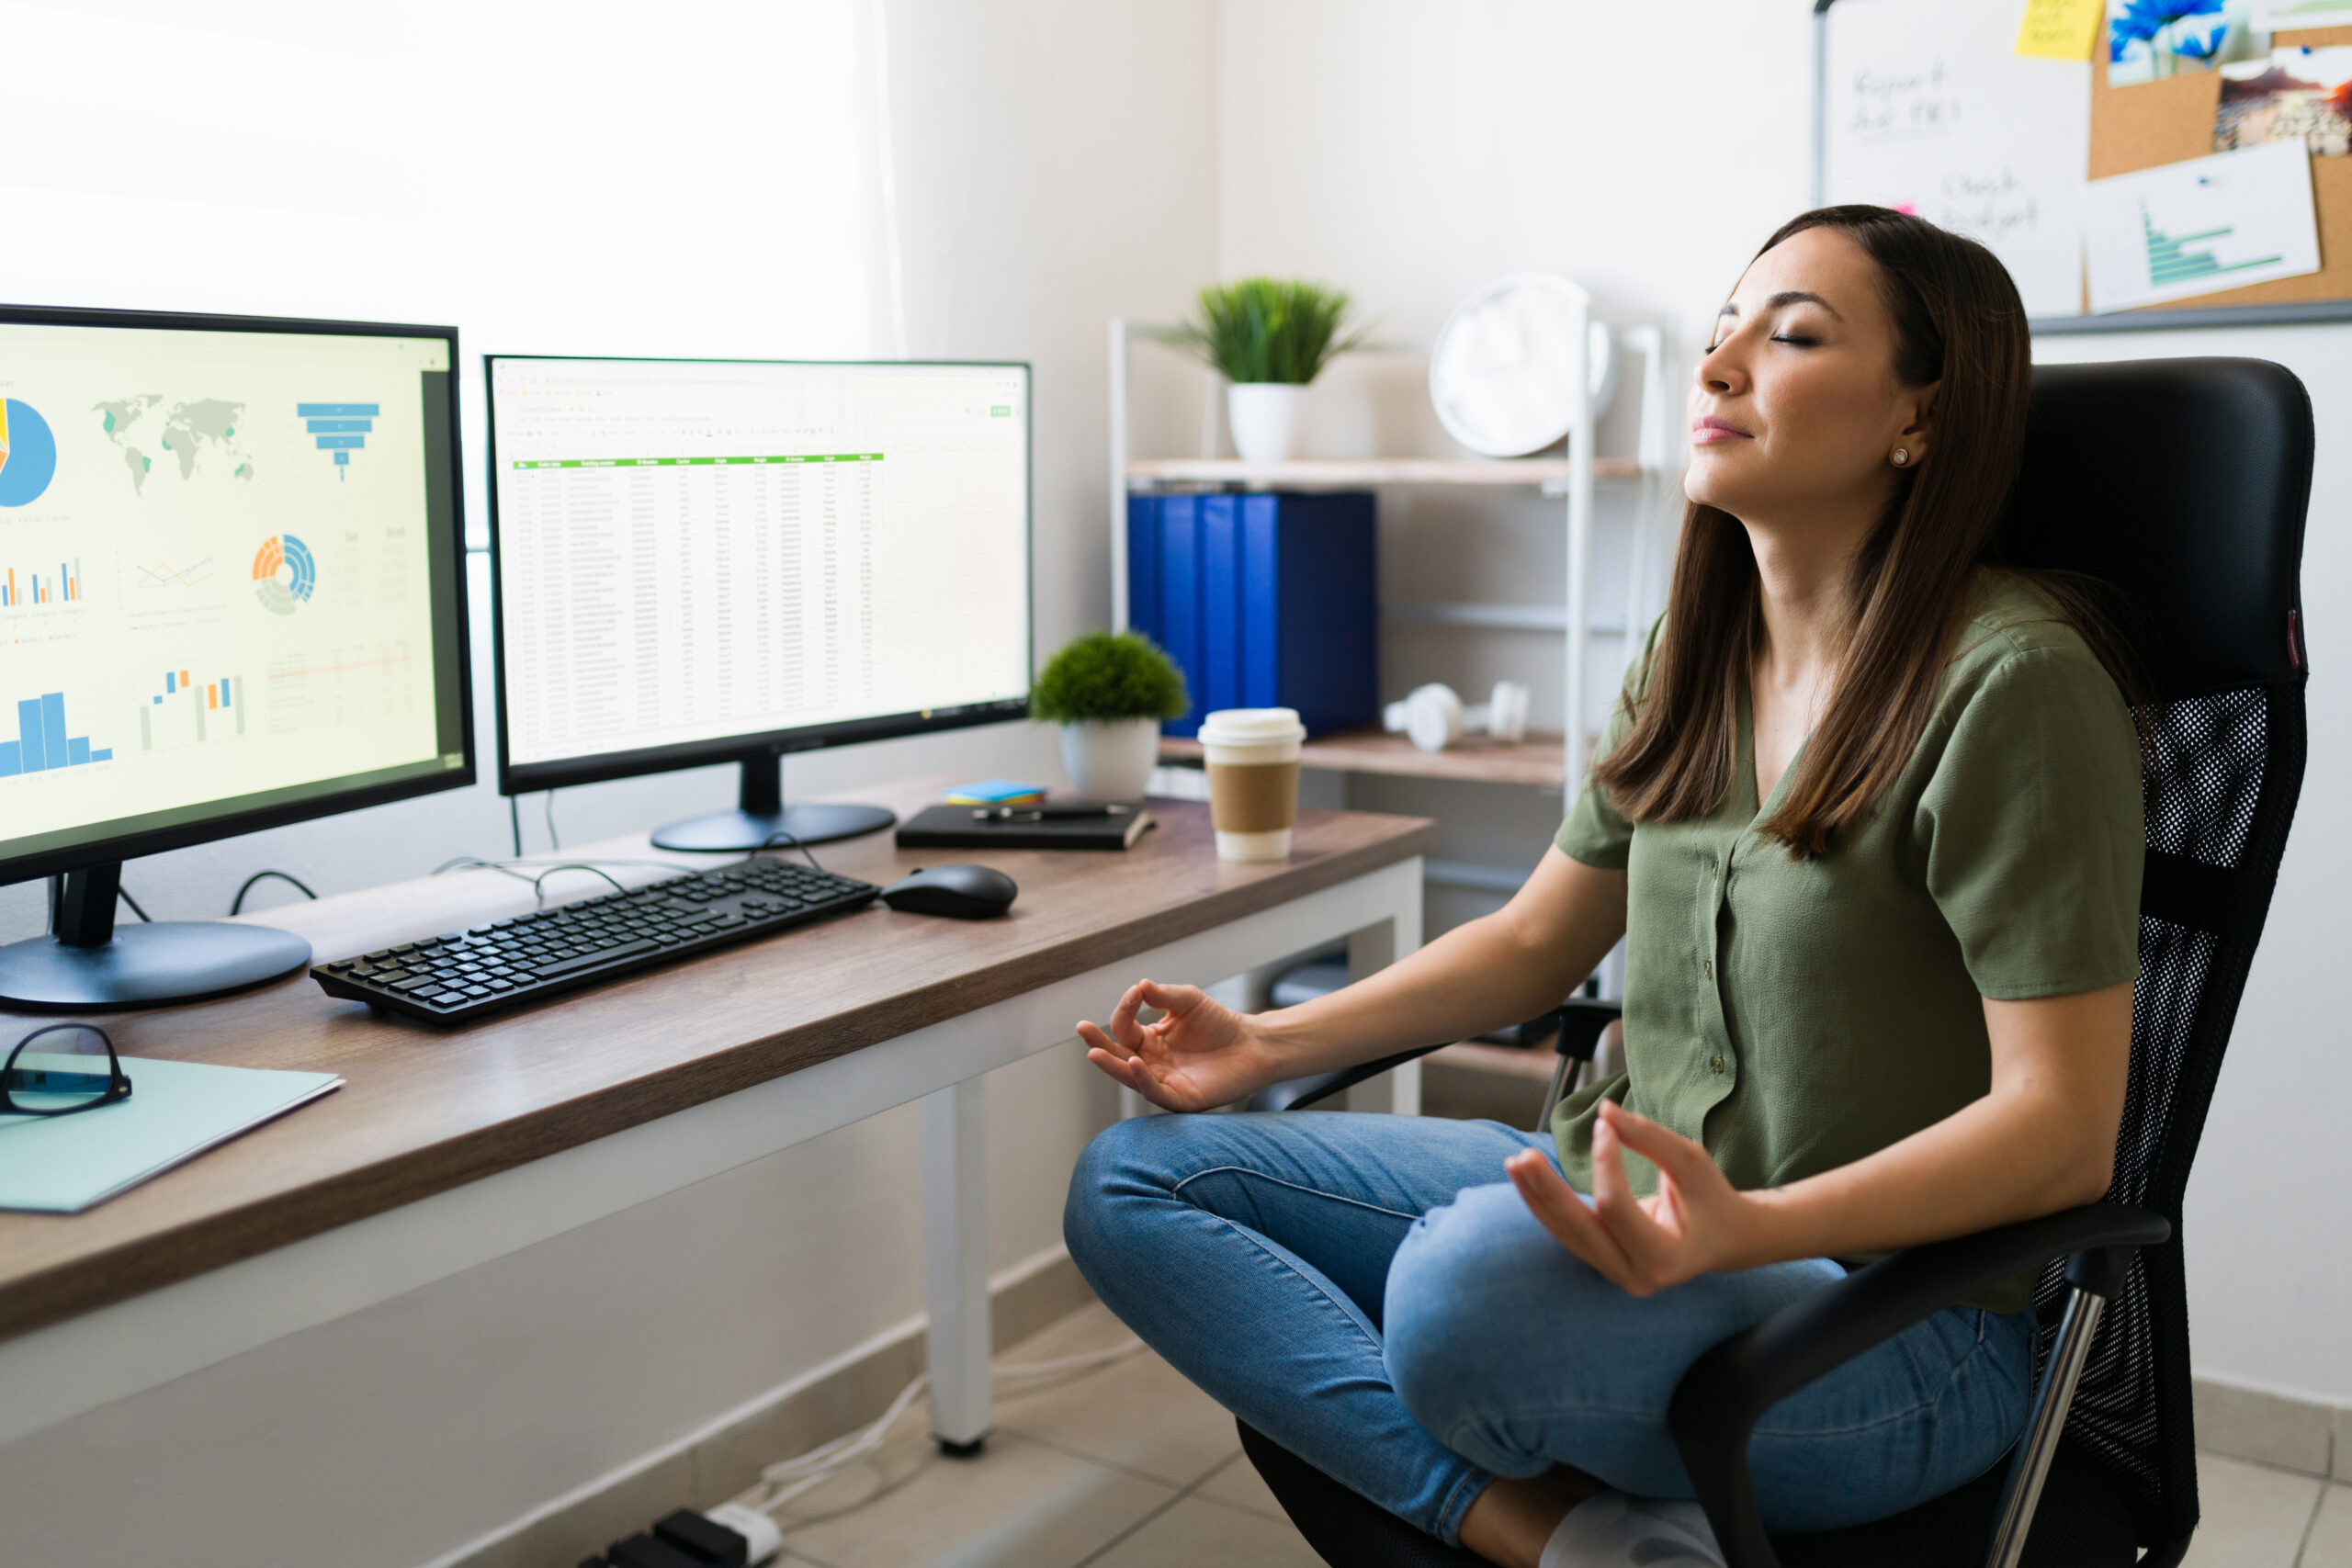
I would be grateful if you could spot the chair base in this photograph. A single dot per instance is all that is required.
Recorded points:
(1346, 1528)
(2081, 1523)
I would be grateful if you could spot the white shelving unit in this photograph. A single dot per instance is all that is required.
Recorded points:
(1552, 760)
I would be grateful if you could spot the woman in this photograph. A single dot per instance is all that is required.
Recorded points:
(1868, 820)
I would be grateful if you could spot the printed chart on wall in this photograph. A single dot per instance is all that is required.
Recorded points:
(213, 568)
(1928, 106)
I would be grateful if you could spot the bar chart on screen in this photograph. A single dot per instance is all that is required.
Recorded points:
(182, 711)
(42, 744)
(59, 585)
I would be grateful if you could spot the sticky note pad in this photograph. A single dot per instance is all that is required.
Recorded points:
(996, 792)
(2059, 29)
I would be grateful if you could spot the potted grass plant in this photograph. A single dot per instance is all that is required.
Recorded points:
(1269, 337)
(1109, 691)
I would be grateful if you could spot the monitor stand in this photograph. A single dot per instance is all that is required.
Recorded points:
(762, 820)
(86, 962)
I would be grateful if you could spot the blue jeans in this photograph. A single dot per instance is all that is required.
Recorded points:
(1370, 1293)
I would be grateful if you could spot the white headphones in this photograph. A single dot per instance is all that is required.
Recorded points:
(1434, 717)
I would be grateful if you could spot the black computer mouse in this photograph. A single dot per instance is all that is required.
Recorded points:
(965, 892)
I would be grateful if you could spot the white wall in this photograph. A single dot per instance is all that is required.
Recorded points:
(1022, 133)
(1432, 147)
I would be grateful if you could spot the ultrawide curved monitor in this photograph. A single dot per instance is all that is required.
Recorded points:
(230, 578)
(701, 561)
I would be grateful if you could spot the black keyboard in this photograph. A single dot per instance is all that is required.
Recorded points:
(468, 973)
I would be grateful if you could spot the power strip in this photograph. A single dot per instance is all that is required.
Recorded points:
(727, 1537)
(742, 1534)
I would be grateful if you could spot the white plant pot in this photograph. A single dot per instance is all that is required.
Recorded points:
(1110, 759)
(1265, 416)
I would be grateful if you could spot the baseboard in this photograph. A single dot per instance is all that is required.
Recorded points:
(2290, 1431)
(724, 1456)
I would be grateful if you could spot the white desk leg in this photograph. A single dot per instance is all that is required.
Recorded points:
(955, 1262)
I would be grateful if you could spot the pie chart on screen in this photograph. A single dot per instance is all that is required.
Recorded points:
(28, 454)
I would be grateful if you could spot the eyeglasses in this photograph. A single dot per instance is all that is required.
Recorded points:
(61, 1069)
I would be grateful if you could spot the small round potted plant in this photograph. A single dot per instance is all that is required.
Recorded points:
(1109, 691)
(1269, 337)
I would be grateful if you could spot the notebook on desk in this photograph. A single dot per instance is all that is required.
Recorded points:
(971, 827)
(62, 1164)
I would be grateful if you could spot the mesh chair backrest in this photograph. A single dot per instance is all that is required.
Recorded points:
(2184, 484)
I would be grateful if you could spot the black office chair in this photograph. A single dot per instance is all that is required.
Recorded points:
(2183, 485)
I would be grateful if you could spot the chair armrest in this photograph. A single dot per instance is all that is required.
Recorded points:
(1718, 1403)
(1297, 1094)
(1582, 1021)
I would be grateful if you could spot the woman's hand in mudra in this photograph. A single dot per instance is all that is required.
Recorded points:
(1203, 1054)
(1695, 1224)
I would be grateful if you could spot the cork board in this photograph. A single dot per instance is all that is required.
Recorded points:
(2169, 121)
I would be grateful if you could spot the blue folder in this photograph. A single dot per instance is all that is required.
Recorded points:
(1180, 599)
(1143, 566)
(1309, 594)
(1221, 598)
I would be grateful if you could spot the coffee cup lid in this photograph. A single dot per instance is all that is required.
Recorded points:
(1243, 726)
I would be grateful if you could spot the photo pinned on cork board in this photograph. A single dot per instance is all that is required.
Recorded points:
(2156, 40)
(2290, 93)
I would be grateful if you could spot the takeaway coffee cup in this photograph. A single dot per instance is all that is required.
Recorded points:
(1252, 757)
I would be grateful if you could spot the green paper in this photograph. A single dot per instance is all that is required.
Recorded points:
(62, 1164)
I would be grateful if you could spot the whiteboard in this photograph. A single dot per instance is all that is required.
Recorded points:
(1925, 105)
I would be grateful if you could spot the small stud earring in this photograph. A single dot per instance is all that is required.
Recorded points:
(1900, 457)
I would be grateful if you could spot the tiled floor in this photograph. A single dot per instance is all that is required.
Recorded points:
(1130, 1466)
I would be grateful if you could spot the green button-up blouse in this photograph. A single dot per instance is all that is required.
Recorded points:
(1794, 1016)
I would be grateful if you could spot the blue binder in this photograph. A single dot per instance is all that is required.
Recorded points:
(1143, 566)
(1310, 608)
(1221, 598)
(1180, 599)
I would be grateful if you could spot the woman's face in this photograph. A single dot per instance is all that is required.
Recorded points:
(1797, 411)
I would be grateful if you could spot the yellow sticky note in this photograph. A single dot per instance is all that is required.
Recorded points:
(2059, 29)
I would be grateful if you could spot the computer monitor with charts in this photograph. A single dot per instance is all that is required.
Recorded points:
(231, 596)
(701, 561)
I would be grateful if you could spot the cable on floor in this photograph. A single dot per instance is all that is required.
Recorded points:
(787, 1479)
(237, 905)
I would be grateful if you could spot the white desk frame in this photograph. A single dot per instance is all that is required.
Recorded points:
(57, 1372)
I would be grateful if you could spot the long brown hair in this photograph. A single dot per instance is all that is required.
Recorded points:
(1958, 321)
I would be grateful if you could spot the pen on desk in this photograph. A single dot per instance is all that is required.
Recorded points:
(1041, 813)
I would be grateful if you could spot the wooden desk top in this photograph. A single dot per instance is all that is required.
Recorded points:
(426, 1108)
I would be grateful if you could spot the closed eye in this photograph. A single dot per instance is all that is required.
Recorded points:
(1799, 339)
